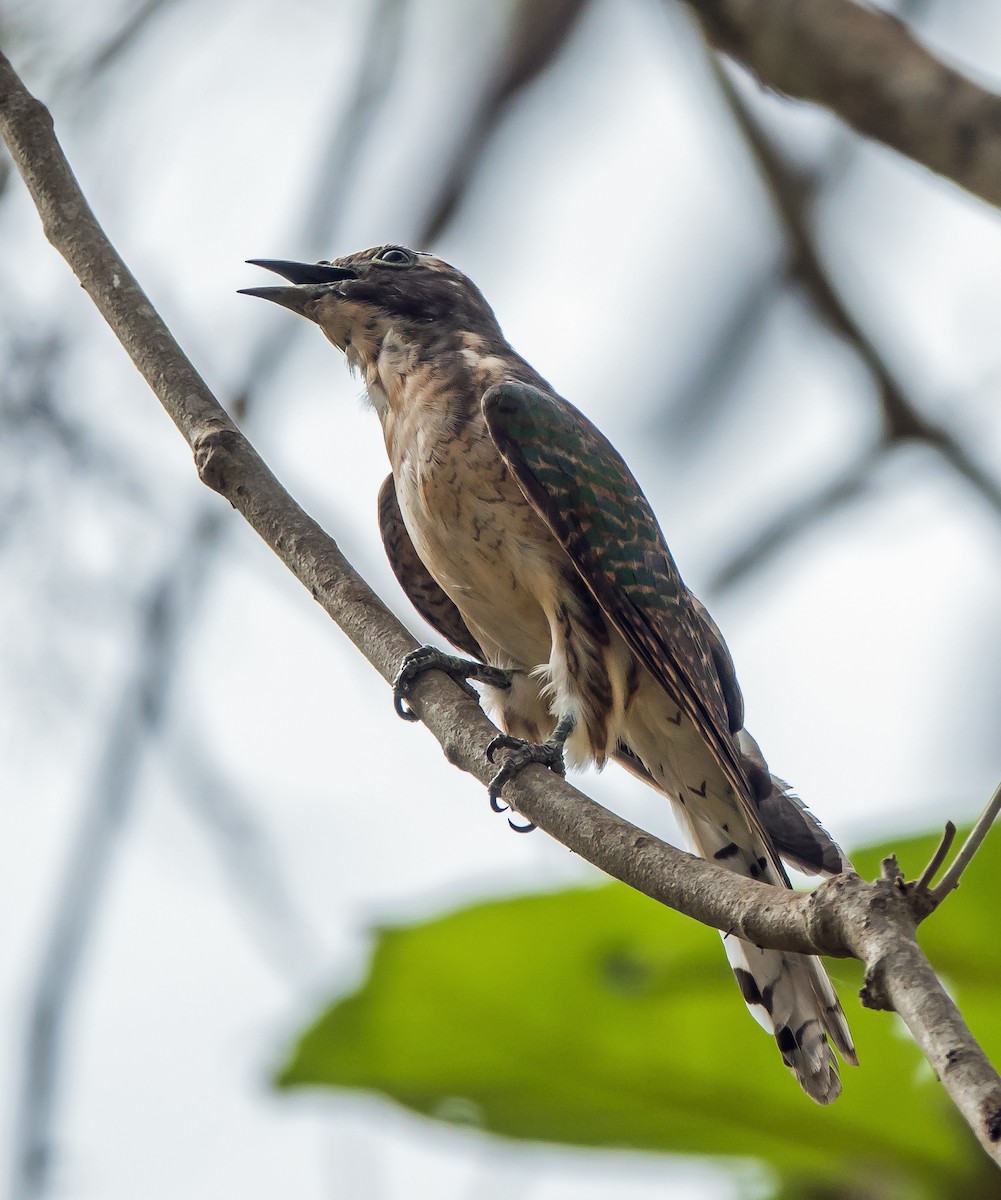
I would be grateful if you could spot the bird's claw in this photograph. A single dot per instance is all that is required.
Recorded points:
(430, 658)
(523, 752)
(498, 806)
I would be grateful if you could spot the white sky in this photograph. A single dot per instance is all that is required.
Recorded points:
(606, 229)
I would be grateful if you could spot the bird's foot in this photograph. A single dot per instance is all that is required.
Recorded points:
(429, 658)
(549, 753)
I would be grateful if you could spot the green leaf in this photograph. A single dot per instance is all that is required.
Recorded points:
(595, 1017)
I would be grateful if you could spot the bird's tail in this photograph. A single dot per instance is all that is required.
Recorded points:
(790, 995)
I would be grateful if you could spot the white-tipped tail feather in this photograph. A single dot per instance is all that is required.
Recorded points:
(789, 995)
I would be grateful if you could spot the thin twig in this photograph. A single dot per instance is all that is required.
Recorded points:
(950, 879)
(938, 858)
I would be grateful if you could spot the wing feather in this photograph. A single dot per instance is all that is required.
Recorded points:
(583, 490)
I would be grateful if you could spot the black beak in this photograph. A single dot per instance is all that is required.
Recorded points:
(296, 272)
(311, 280)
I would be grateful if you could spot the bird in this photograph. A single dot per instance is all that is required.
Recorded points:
(520, 534)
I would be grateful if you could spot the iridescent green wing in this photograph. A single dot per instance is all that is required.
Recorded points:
(582, 489)
(416, 580)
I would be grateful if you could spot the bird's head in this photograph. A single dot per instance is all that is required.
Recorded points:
(359, 299)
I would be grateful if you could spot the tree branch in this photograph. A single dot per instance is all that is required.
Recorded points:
(844, 916)
(868, 69)
(163, 618)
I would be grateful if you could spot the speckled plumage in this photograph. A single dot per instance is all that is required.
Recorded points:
(520, 534)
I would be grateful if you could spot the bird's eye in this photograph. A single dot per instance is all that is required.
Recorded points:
(396, 257)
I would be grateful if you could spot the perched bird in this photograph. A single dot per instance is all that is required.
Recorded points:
(521, 535)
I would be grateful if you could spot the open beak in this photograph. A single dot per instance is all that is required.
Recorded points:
(311, 281)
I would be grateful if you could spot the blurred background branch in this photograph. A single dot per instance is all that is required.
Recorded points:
(793, 196)
(866, 67)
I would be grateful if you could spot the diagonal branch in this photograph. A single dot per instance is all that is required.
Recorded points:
(867, 68)
(163, 619)
(845, 917)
